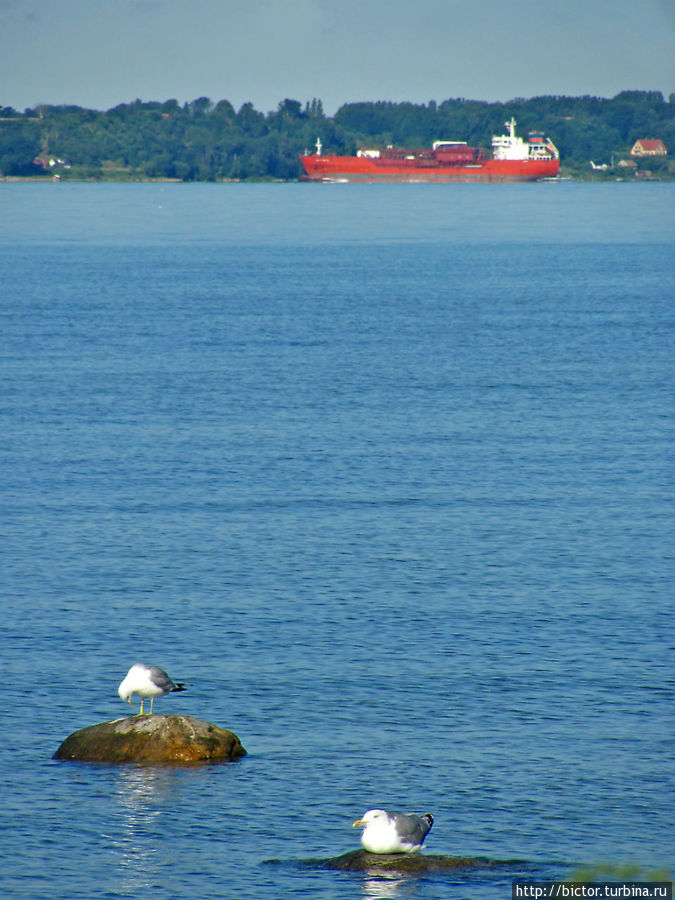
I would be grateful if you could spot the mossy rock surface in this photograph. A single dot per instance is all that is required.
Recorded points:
(362, 861)
(177, 740)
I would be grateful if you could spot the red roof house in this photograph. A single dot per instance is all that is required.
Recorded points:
(648, 147)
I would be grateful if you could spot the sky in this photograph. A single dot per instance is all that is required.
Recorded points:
(100, 53)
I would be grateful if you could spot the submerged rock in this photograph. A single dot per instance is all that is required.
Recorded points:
(362, 861)
(152, 739)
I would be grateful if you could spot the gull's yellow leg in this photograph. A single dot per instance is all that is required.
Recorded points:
(152, 703)
(141, 712)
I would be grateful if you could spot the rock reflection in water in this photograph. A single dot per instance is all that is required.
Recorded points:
(387, 887)
(142, 793)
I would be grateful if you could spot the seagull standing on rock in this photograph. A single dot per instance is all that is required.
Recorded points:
(147, 681)
(393, 832)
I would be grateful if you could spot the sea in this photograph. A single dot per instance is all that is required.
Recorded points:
(385, 474)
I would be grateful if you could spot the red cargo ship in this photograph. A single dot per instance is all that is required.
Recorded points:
(512, 159)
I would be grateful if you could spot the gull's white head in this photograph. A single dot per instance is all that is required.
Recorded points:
(368, 818)
(125, 690)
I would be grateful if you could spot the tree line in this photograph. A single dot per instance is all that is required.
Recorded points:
(207, 141)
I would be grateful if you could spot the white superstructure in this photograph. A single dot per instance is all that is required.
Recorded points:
(509, 146)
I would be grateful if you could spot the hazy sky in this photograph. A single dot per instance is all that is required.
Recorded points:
(98, 53)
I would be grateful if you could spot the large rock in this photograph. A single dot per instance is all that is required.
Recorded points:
(391, 863)
(152, 739)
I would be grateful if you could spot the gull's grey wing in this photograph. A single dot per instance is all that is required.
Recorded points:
(412, 829)
(160, 678)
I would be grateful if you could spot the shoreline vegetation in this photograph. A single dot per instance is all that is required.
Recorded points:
(204, 141)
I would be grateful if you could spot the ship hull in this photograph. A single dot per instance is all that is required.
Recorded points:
(358, 169)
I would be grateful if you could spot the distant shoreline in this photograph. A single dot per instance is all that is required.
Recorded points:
(597, 139)
(592, 178)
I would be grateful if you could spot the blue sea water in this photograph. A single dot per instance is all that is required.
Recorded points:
(385, 473)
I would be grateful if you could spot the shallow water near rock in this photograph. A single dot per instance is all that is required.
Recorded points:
(384, 473)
